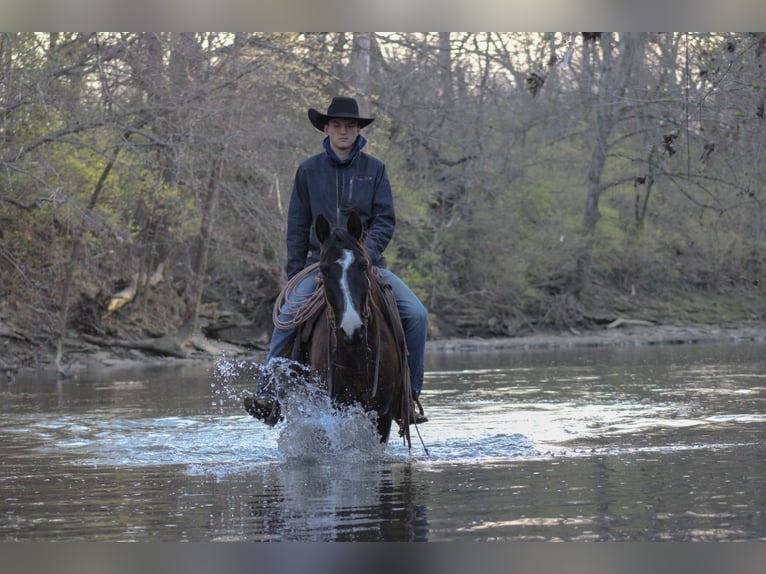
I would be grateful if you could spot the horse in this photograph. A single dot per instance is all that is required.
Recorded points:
(354, 341)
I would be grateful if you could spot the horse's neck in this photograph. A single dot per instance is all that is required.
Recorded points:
(383, 299)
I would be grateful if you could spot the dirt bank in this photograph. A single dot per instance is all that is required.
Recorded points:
(17, 358)
(620, 335)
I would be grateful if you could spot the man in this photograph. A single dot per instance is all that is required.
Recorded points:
(334, 183)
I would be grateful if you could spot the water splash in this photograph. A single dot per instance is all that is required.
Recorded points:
(316, 429)
(312, 427)
(233, 380)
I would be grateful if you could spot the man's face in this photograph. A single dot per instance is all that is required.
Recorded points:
(342, 134)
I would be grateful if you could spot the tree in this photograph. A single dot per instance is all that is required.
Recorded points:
(157, 166)
(610, 71)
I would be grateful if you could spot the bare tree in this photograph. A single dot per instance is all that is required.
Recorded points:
(615, 64)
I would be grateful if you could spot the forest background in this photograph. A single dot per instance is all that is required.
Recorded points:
(543, 181)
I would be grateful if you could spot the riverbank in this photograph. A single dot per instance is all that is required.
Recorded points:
(620, 335)
(17, 358)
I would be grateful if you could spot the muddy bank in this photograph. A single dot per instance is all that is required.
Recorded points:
(16, 358)
(20, 358)
(621, 335)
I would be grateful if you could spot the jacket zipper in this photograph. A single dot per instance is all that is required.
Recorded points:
(339, 189)
(338, 194)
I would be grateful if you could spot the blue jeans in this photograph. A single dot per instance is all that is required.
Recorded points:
(412, 312)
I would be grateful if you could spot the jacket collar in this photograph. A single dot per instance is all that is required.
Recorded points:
(358, 145)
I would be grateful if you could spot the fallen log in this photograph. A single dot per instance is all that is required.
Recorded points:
(126, 295)
(9, 331)
(629, 323)
(167, 346)
(122, 297)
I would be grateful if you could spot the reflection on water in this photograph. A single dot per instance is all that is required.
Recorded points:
(627, 444)
(341, 501)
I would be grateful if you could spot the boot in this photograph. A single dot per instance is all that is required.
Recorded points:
(264, 407)
(416, 413)
(417, 416)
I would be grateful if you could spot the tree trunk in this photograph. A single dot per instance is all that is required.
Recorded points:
(74, 259)
(360, 63)
(199, 265)
(445, 70)
(613, 81)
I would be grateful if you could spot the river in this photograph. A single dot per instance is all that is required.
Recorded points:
(656, 443)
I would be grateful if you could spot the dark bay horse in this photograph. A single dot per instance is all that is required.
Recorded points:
(356, 344)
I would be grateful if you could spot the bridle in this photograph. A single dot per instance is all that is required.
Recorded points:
(366, 316)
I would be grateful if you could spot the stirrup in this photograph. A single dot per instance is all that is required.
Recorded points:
(417, 416)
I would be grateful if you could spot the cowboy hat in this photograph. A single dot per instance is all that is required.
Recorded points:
(340, 107)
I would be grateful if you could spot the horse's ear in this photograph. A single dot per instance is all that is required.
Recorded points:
(322, 228)
(354, 225)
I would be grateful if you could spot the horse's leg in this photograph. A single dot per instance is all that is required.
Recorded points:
(317, 355)
(384, 426)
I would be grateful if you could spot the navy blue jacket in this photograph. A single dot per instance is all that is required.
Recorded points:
(325, 185)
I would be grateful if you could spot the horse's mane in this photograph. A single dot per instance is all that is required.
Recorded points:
(345, 237)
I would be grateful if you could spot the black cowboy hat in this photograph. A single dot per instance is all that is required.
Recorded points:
(340, 107)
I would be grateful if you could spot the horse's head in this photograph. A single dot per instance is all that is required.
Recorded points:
(345, 269)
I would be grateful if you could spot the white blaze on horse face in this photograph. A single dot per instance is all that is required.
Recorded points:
(351, 321)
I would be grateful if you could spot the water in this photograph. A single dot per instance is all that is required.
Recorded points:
(653, 443)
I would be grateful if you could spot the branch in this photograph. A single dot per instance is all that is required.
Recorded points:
(36, 204)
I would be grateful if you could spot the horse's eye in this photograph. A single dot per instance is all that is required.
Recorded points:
(330, 271)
